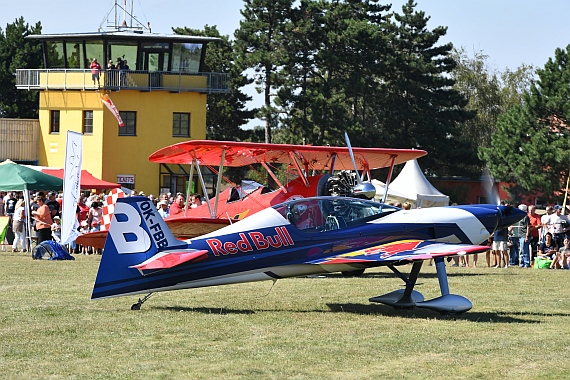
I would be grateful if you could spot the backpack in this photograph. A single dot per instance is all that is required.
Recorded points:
(55, 251)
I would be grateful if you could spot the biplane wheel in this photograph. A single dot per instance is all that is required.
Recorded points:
(353, 273)
(136, 306)
(322, 186)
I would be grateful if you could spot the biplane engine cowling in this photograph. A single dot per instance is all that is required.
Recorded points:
(345, 184)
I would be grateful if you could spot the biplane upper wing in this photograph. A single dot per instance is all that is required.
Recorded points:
(237, 154)
(402, 250)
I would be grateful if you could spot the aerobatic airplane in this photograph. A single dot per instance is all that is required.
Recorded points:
(300, 237)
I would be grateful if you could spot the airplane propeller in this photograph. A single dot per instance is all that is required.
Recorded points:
(362, 189)
(491, 192)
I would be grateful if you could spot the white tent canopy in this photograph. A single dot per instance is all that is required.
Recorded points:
(411, 185)
(393, 195)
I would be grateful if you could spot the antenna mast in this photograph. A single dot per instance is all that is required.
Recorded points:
(116, 24)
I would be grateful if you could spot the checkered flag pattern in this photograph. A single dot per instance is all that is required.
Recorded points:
(109, 207)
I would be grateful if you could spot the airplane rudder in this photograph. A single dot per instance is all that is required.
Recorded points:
(138, 227)
(137, 232)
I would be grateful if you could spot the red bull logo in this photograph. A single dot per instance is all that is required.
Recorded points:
(249, 241)
(391, 249)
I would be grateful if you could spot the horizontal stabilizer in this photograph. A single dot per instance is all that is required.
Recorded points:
(170, 259)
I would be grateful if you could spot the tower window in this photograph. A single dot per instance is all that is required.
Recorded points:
(130, 120)
(87, 122)
(54, 122)
(180, 124)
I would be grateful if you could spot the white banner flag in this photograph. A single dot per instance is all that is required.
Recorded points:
(71, 187)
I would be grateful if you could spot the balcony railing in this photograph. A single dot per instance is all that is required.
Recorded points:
(115, 80)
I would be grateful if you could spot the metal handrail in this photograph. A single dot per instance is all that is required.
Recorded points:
(115, 80)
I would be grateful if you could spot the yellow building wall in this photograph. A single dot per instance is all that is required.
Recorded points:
(71, 105)
(106, 154)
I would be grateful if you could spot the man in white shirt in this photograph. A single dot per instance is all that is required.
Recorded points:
(560, 225)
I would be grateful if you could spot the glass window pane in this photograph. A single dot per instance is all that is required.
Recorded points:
(74, 55)
(93, 49)
(55, 58)
(130, 120)
(180, 124)
(124, 51)
(88, 122)
(54, 122)
(186, 57)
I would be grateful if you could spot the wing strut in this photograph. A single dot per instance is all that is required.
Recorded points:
(189, 187)
(388, 179)
(219, 183)
(203, 187)
(302, 174)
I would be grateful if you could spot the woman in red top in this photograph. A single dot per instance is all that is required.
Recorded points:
(82, 210)
(43, 220)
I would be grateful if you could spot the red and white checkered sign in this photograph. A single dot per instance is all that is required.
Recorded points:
(109, 207)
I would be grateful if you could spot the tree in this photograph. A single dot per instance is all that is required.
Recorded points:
(17, 52)
(226, 113)
(260, 44)
(489, 94)
(532, 144)
(421, 108)
(332, 70)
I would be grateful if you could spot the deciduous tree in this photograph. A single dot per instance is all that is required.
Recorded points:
(17, 52)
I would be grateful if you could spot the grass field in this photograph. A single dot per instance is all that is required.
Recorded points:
(314, 328)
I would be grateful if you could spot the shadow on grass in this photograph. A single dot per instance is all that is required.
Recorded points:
(388, 311)
(204, 310)
(392, 275)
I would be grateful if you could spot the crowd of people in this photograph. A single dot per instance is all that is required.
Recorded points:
(44, 214)
(535, 237)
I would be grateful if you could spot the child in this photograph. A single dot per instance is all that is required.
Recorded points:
(56, 229)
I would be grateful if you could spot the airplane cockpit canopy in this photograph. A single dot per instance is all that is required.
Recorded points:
(331, 213)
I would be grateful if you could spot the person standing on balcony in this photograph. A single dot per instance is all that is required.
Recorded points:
(123, 72)
(95, 71)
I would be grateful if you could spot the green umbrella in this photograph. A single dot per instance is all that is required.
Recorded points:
(18, 177)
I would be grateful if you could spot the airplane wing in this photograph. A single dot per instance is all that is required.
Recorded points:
(400, 251)
(238, 154)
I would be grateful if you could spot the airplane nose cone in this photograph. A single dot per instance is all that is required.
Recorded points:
(509, 215)
(365, 190)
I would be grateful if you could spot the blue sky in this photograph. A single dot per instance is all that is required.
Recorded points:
(510, 32)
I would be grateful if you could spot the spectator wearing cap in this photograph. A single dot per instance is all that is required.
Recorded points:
(163, 209)
(95, 71)
(56, 229)
(53, 204)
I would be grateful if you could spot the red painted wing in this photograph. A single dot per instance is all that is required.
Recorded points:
(237, 154)
(402, 250)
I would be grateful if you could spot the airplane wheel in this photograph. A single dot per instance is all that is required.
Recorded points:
(353, 273)
(136, 306)
(322, 188)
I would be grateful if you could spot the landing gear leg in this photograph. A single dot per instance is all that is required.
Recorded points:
(403, 298)
(137, 306)
(447, 304)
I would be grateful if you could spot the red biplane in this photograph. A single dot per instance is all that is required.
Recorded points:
(298, 161)
(310, 171)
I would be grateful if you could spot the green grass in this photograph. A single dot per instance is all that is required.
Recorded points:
(304, 328)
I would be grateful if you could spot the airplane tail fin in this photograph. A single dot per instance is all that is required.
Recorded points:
(138, 243)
